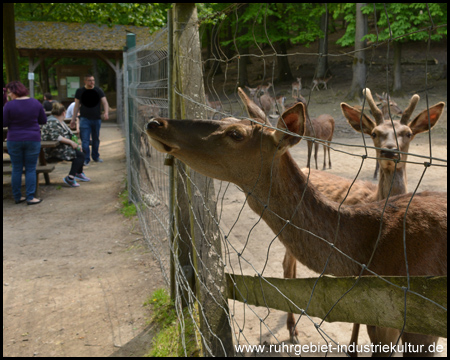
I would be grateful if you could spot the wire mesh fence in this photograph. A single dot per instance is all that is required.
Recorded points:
(250, 255)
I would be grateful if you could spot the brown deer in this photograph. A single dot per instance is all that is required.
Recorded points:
(388, 136)
(320, 81)
(256, 158)
(254, 94)
(215, 105)
(322, 128)
(257, 92)
(296, 87)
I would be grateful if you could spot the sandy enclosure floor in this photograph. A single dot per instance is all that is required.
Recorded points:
(75, 272)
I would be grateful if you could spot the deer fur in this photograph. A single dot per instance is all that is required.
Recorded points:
(320, 81)
(296, 87)
(257, 159)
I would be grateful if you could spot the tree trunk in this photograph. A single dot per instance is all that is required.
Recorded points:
(9, 43)
(397, 67)
(359, 65)
(284, 70)
(322, 66)
(243, 60)
(43, 79)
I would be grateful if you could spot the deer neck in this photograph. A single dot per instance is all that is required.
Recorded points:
(395, 178)
(284, 194)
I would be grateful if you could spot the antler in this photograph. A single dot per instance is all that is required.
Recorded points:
(254, 111)
(410, 109)
(376, 112)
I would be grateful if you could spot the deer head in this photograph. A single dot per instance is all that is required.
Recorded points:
(391, 136)
(206, 146)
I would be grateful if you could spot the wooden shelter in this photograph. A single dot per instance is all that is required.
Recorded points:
(39, 40)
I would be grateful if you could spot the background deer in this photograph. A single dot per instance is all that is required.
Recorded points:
(321, 128)
(250, 150)
(320, 81)
(215, 105)
(296, 87)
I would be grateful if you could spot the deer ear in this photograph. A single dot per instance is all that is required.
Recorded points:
(353, 116)
(292, 120)
(254, 111)
(420, 123)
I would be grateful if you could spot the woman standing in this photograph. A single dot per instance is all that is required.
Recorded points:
(57, 130)
(22, 116)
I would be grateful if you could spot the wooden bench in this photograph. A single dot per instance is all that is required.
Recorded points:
(40, 169)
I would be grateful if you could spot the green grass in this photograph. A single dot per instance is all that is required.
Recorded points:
(168, 340)
(128, 209)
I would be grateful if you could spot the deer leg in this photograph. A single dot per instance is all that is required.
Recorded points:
(382, 336)
(354, 341)
(316, 150)
(308, 162)
(329, 157)
(324, 157)
(419, 344)
(289, 272)
(377, 167)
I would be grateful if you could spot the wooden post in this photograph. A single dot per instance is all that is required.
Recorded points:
(206, 240)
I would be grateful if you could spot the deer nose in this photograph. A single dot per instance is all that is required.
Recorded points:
(153, 124)
(389, 154)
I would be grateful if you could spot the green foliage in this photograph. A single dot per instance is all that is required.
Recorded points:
(404, 20)
(168, 342)
(264, 23)
(152, 15)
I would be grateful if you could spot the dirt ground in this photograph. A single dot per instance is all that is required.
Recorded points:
(76, 273)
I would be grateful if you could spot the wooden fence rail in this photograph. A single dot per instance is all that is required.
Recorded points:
(372, 300)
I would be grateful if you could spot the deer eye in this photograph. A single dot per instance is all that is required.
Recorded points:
(235, 135)
(374, 135)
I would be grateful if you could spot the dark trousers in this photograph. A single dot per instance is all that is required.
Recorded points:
(77, 163)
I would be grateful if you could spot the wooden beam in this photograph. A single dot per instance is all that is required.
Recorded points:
(371, 301)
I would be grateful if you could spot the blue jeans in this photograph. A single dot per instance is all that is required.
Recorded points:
(88, 127)
(23, 153)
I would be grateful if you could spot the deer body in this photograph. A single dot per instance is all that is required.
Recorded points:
(241, 151)
(296, 87)
(321, 128)
(320, 81)
(303, 205)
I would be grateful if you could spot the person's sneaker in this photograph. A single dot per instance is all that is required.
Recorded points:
(82, 177)
(70, 182)
(86, 163)
(99, 160)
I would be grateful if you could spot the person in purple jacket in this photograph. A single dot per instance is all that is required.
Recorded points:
(22, 116)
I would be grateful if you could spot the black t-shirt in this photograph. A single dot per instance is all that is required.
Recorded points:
(90, 100)
(48, 105)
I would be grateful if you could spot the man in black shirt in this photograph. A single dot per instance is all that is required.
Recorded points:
(88, 101)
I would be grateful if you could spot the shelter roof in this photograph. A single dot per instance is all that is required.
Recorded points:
(34, 38)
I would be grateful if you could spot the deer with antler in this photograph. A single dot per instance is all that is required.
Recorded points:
(388, 108)
(257, 159)
(392, 139)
